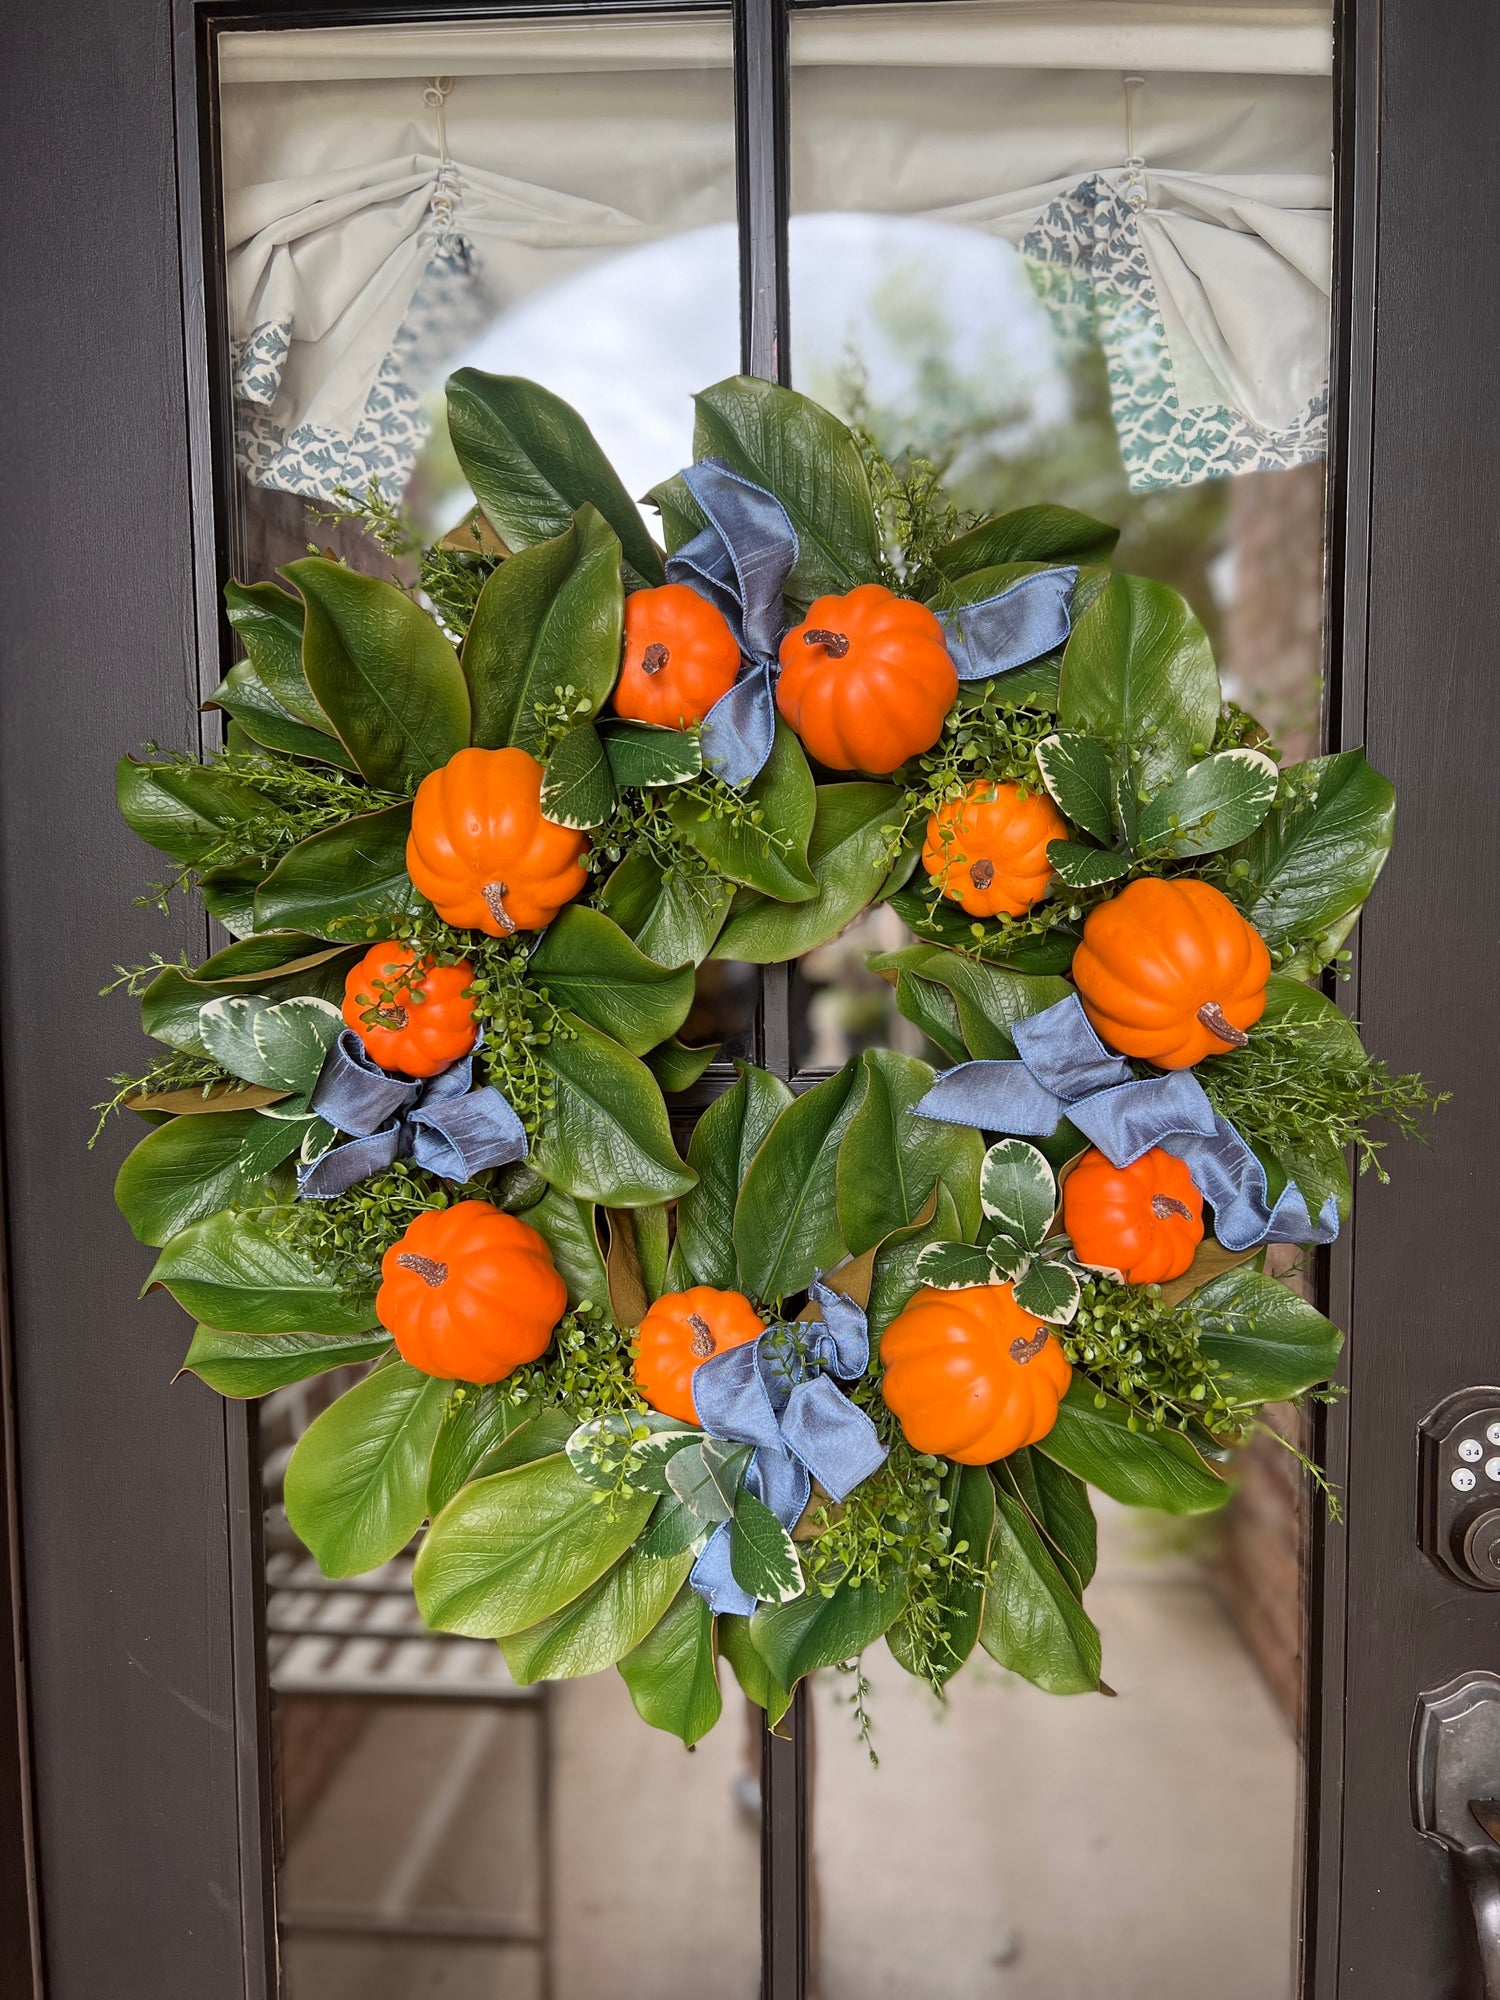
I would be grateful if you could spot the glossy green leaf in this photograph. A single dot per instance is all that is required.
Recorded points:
(1077, 772)
(944, 923)
(673, 1527)
(706, 1477)
(340, 882)
(1045, 534)
(811, 462)
(681, 516)
(533, 462)
(1270, 1343)
(786, 1225)
(1314, 859)
(601, 1625)
(761, 839)
(231, 1271)
(757, 1682)
(267, 961)
(476, 1422)
(268, 622)
(933, 1009)
(849, 853)
(815, 1631)
(1139, 670)
(1033, 1624)
(382, 672)
(243, 695)
(960, 1590)
(1017, 1191)
(725, 1140)
(1215, 803)
(677, 1065)
(1086, 867)
(890, 1159)
(356, 1482)
(673, 918)
(511, 1549)
(577, 789)
(185, 810)
(1141, 1467)
(762, 1555)
(1059, 1505)
(895, 1276)
(605, 1136)
(542, 1434)
(253, 1364)
(646, 757)
(549, 619)
(570, 1227)
(673, 1673)
(989, 1000)
(588, 965)
(191, 1168)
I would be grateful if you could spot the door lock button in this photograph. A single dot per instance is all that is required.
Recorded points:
(1458, 1510)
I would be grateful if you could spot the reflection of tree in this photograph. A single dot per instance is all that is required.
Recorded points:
(983, 423)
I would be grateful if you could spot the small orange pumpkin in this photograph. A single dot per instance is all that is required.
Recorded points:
(482, 851)
(1171, 972)
(680, 656)
(866, 680)
(989, 848)
(678, 1334)
(470, 1294)
(1144, 1221)
(411, 1015)
(971, 1376)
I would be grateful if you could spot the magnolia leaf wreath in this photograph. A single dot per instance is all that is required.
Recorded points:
(848, 1370)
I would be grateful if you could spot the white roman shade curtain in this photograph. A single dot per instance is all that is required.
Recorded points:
(390, 191)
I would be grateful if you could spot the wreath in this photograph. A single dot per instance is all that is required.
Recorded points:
(847, 1370)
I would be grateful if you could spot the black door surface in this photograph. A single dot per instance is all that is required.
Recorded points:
(135, 1836)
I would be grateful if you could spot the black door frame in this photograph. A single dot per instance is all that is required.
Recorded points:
(135, 1705)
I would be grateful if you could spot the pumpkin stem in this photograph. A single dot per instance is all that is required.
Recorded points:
(654, 658)
(494, 894)
(1212, 1015)
(703, 1336)
(1163, 1205)
(389, 1016)
(1022, 1351)
(834, 644)
(428, 1269)
(982, 873)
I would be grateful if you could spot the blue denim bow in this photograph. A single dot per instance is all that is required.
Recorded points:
(443, 1123)
(1065, 1071)
(777, 1394)
(741, 562)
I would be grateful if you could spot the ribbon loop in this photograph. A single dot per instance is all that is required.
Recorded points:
(1019, 624)
(1065, 1071)
(444, 1124)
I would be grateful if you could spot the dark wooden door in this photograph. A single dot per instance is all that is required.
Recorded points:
(133, 1856)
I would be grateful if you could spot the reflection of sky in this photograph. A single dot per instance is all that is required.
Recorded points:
(629, 340)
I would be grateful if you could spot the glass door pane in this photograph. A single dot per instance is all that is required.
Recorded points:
(554, 200)
(1085, 263)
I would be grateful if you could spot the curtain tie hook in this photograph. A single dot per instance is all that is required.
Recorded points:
(1135, 165)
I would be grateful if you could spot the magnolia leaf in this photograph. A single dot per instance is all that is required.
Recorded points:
(1140, 1467)
(1017, 1190)
(893, 1276)
(762, 1556)
(183, 809)
(253, 1364)
(1042, 534)
(1032, 1621)
(960, 1587)
(191, 1168)
(243, 695)
(1215, 803)
(356, 1482)
(598, 1627)
(890, 1160)
(577, 788)
(1086, 867)
(849, 856)
(760, 838)
(589, 965)
(214, 1097)
(786, 1225)
(476, 1423)
(725, 1140)
(268, 621)
(1269, 1343)
(673, 1673)
(1314, 858)
(605, 1135)
(953, 1267)
(1076, 771)
(1049, 1290)
(644, 756)
(1209, 1260)
(813, 1631)
(1138, 669)
(677, 1065)
(232, 1271)
(339, 883)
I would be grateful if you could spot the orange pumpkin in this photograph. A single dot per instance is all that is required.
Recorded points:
(411, 1015)
(470, 1294)
(1171, 972)
(1144, 1221)
(971, 1376)
(481, 850)
(989, 848)
(866, 680)
(680, 656)
(678, 1334)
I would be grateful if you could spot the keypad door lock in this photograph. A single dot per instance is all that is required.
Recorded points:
(1459, 1486)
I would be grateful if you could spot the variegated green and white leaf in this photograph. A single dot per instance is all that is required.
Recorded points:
(762, 1556)
(1216, 803)
(1076, 771)
(629, 1446)
(280, 1045)
(706, 1477)
(1050, 1291)
(1017, 1190)
(954, 1267)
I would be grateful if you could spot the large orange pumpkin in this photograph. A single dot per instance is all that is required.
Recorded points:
(1144, 1221)
(411, 1015)
(680, 656)
(678, 1335)
(481, 850)
(989, 848)
(470, 1294)
(866, 680)
(1171, 972)
(971, 1376)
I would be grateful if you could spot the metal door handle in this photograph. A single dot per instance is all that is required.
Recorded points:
(1455, 1778)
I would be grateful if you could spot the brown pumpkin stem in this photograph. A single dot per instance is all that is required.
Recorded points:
(834, 644)
(428, 1269)
(494, 894)
(1213, 1017)
(703, 1336)
(389, 1016)
(1022, 1351)
(654, 658)
(1163, 1205)
(982, 873)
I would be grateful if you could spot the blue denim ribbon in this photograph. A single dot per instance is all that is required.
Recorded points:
(443, 1123)
(1065, 1071)
(741, 562)
(777, 1394)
